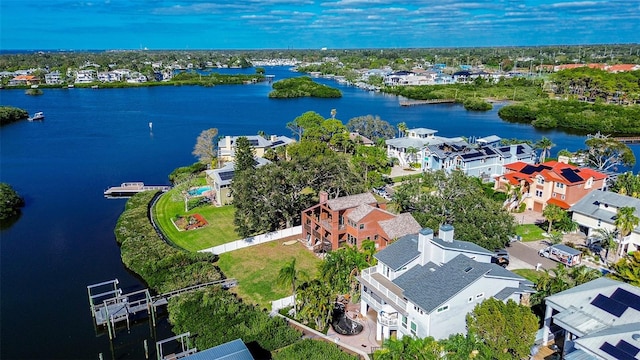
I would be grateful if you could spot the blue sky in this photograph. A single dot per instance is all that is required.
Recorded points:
(310, 24)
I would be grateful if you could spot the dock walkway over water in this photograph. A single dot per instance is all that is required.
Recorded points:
(426, 102)
(131, 188)
(109, 306)
(629, 139)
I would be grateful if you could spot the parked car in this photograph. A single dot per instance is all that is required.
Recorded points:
(500, 257)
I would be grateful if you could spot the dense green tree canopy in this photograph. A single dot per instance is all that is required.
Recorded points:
(9, 114)
(371, 127)
(10, 202)
(302, 87)
(509, 329)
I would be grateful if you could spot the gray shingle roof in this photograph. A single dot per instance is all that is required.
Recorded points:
(351, 201)
(399, 253)
(429, 287)
(462, 245)
(590, 205)
(401, 225)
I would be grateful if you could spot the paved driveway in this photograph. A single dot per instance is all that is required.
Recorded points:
(524, 256)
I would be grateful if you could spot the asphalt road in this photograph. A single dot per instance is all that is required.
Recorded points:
(522, 256)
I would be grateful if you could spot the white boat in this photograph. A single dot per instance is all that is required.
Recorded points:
(37, 116)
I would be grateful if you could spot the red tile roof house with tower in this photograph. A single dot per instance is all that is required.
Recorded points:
(349, 220)
(551, 182)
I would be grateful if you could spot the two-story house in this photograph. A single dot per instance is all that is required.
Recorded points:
(227, 145)
(600, 320)
(478, 160)
(220, 181)
(425, 285)
(410, 148)
(598, 210)
(551, 182)
(349, 220)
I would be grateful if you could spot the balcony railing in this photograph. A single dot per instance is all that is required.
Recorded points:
(373, 283)
(390, 321)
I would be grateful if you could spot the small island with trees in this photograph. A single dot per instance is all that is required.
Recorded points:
(10, 114)
(302, 87)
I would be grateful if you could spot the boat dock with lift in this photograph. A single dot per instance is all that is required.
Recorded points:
(109, 306)
(129, 189)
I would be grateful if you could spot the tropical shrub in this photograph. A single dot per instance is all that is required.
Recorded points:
(477, 105)
(312, 350)
(302, 87)
(9, 114)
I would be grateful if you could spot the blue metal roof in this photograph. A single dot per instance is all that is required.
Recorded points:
(233, 350)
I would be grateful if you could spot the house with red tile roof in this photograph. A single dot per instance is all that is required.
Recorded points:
(623, 67)
(349, 220)
(24, 80)
(551, 182)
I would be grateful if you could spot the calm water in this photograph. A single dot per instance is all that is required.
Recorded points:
(92, 139)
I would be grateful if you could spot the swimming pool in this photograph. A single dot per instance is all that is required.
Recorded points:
(199, 191)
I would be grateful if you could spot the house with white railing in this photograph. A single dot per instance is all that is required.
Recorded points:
(425, 285)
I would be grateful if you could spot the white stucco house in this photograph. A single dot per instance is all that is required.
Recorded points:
(425, 285)
(598, 209)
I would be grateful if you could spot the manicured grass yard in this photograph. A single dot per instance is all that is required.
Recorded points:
(219, 231)
(529, 232)
(529, 274)
(256, 268)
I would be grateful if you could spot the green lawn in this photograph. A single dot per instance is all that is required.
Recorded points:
(529, 232)
(219, 231)
(256, 269)
(529, 274)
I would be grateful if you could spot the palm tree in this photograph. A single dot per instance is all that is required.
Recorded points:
(555, 237)
(545, 146)
(288, 276)
(628, 269)
(552, 213)
(625, 222)
(412, 151)
(402, 129)
(607, 239)
(583, 274)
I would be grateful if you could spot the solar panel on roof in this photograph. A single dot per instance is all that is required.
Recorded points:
(616, 352)
(570, 175)
(253, 142)
(609, 305)
(276, 143)
(628, 298)
(627, 348)
(227, 175)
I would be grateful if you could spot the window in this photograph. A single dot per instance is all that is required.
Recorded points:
(361, 226)
(559, 185)
(553, 195)
(414, 328)
(562, 197)
(539, 193)
(375, 237)
(470, 299)
(404, 321)
(443, 308)
(540, 181)
(480, 296)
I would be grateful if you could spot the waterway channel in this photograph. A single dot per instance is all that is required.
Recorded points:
(92, 139)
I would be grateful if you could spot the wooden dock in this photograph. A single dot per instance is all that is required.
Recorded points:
(629, 139)
(128, 189)
(111, 307)
(426, 102)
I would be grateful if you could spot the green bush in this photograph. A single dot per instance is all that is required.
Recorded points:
(184, 172)
(163, 267)
(216, 316)
(10, 202)
(9, 114)
(309, 349)
(474, 104)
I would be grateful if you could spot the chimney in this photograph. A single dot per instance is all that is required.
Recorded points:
(446, 233)
(513, 150)
(424, 244)
(274, 138)
(227, 142)
(324, 196)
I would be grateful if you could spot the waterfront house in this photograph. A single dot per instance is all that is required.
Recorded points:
(425, 285)
(409, 78)
(359, 139)
(220, 181)
(484, 160)
(22, 80)
(598, 210)
(349, 220)
(551, 182)
(409, 148)
(53, 78)
(227, 145)
(85, 76)
(600, 320)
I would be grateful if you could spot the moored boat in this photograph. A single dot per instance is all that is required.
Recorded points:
(37, 116)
